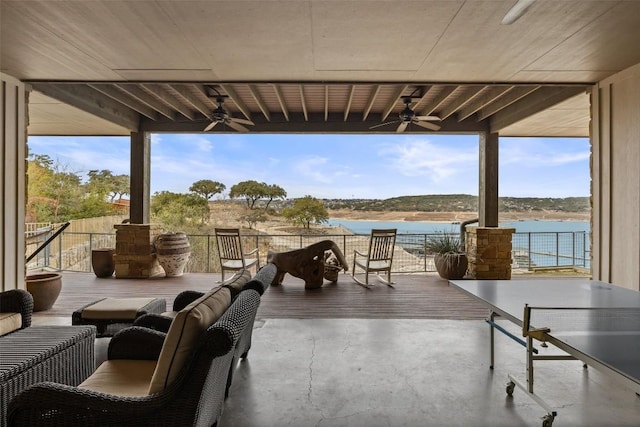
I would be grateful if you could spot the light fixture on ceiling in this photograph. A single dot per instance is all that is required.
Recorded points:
(516, 11)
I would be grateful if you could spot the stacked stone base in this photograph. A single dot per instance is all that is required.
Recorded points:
(135, 257)
(489, 252)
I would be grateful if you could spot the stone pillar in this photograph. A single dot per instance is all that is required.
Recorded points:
(489, 252)
(135, 257)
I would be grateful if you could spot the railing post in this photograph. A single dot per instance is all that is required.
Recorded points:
(573, 247)
(529, 250)
(557, 248)
(208, 253)
(90, 251)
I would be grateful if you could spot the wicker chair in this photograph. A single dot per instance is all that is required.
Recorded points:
(17, 301)
(196, 397)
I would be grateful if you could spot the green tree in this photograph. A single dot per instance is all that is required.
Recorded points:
(251, 191)
(207, 188)
(176, 209)
(305, 211)
(120, 186)
(254, 216)
(274, 192)
(53, 193)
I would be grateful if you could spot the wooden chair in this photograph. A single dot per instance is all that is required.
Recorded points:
(232, 257)
(379, 257)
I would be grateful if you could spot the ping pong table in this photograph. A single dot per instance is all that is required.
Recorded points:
(595, 322)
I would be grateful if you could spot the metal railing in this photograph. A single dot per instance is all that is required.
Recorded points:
(72, 250)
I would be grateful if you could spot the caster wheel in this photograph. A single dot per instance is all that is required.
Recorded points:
(547, 421)
(510, 387)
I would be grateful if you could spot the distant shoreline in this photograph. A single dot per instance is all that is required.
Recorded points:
(448, 217)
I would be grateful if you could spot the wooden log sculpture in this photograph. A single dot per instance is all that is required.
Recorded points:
(308, 263)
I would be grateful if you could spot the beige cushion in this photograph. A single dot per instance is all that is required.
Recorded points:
(122, 377)
(237, 284)
(115, 308)
(185, 330)
(10, 322)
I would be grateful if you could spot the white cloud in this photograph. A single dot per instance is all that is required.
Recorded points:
(420, 157)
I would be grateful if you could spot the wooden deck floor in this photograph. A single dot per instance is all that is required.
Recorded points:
(414, 296)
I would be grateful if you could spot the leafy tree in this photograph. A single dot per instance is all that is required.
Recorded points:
(252, 191)
(121, 185)
(207, 188)
(274, 192)
(176, 209)
(53, 192)
(254, 216)
(305, 211)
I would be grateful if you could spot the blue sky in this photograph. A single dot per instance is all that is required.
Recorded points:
(338, 166)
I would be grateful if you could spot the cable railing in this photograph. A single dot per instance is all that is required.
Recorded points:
(531, 250)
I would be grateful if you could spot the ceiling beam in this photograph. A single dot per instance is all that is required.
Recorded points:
(469, 93)
(538, 101)
(281, 101)
(326, 103)
(435, 104)
(150, 100)
(161, 92)
(253, 89)
(123, 98)
(347, 107)
(237, 100)
(487, 97)
(394, 100)
(372, 99)
(90, 100)
(304, 104)
(507, 99)
(183, 90)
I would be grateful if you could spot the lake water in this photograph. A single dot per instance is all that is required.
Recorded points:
(423, 227)
(535, 244)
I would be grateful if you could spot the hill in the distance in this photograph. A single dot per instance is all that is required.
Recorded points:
(456, 203)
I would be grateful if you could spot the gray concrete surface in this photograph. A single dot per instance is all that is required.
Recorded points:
(350, 372)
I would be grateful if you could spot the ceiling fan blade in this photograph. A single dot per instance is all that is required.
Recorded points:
(430, 118)
(237, 126)
(384, 124)
(242, 121)
(428, 125)
(211, 125)
(402, 127)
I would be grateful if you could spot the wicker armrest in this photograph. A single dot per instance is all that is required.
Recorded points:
(185, 298)
(154, 321)
(56, 404)
(136, 343)
(17, 301)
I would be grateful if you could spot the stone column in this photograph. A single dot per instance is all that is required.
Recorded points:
(135, 257)
(489, 252)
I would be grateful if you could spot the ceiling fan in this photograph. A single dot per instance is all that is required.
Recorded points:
(220, 115)
(408, 116)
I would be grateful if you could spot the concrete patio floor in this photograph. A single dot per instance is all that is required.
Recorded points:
(405, 372)
(328, 371)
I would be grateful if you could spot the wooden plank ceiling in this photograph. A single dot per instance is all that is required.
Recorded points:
(113, 66)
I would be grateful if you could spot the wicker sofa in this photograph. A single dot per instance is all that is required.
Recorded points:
(16, 309)
(142, 384)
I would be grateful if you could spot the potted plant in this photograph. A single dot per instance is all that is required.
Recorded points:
(450, 260)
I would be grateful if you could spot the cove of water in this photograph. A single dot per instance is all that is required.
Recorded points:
(423, 227)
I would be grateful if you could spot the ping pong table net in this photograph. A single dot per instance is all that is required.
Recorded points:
(538, 322)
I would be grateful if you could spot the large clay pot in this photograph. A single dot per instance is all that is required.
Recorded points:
(451, 266)
(173, 250)
(102, 262)
(45, 289)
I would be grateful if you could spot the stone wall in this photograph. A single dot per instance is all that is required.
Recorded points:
(489, 252)
(135, 257)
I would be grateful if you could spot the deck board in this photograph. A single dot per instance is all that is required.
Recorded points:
(414, 296)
